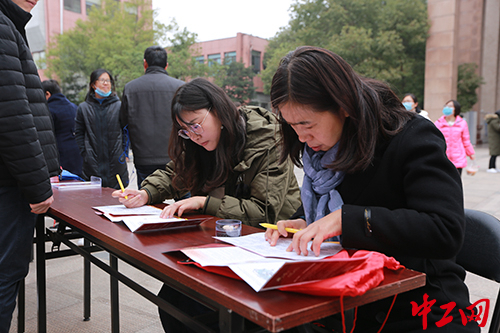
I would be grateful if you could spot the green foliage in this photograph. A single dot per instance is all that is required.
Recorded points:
(114, 37)
(467, 83)
(379, 39)
(181, 56)
(236, 80)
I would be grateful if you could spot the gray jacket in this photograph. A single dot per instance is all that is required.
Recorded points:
(146, 104)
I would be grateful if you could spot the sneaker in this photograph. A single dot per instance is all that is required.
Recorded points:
(492, 170)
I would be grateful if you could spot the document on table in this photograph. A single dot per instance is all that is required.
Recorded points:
(145, 218)
(257, 243)
(118, 210)
(263, 273)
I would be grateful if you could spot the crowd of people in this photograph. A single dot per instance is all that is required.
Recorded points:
(378, 175)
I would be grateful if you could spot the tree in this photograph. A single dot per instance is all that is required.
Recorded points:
(182, 63)
(467, 83)
(379, 39)
(236, 80)
(114, 37)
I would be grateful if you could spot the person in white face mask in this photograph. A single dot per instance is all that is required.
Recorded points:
(456, 133)
(98, 132)
(410, 103)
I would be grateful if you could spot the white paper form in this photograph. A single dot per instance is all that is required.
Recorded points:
(257, 243)
(223, 256)
(122, 210)
(137, 221)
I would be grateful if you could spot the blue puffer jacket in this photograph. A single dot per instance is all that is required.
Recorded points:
(28, 151)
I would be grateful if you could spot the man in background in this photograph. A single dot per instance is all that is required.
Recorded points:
(28, 152)
(63, 114)
(145, 110)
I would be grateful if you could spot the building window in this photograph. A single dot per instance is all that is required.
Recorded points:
(73, 5)
(256, 61)
(213, 58)
(39, 59)
(92, 3)
(200, 59)
(229, 57)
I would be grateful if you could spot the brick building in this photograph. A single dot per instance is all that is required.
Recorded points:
(245, 48)
(53, 17)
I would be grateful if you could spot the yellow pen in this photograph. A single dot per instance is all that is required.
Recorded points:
(275, 227)
(121, 184)
(291, 230)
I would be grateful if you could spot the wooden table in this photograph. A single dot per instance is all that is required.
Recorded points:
(235, 300)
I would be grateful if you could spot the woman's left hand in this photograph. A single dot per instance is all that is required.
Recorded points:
(472, 157)
(181, 206)
(324, 228)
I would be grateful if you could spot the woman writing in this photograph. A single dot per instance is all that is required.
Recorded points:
(98, 132)
(228, 159)
(376, 176)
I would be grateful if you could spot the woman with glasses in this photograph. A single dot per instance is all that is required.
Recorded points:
(377, 177)
(98, 132)
(228, 159)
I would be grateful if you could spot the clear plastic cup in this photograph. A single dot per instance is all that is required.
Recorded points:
(227, 228)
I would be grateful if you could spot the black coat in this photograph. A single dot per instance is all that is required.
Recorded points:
(414, 195)
(146, 104)
(64, 114)
(417, 216)
(100, 139)
(28, 152)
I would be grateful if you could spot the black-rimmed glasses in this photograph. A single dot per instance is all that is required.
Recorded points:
(194, 129)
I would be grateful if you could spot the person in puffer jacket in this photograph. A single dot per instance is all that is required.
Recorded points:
(28, 152)
(456, 134)
(98, 132)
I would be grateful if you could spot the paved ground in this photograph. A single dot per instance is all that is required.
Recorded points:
(65, 277)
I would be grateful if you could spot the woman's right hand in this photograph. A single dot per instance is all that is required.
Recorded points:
(134, 198)
(272, 235)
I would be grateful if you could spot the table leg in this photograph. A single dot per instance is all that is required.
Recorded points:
(230, 321)
(86, 285)
(21, 306)
(41, 282)
(115, 313)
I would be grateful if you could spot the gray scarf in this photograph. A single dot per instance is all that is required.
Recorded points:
(319, 194)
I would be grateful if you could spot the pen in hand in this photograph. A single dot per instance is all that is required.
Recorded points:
(121, 184)
(275, 227)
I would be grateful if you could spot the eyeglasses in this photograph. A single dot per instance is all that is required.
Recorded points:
(103, 81)
(194, 129)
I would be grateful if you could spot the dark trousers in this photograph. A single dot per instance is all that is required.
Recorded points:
(493, 160)
(17, 225)
(145, 170)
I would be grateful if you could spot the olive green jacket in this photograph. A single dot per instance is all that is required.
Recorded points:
(493, 133)
(257, 179)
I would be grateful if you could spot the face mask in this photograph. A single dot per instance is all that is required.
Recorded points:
(408, 105)
(447, 111)
(102, 93)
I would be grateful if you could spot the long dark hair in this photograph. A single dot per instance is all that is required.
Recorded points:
(325, 82)
(94, 76)
(197, 169)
